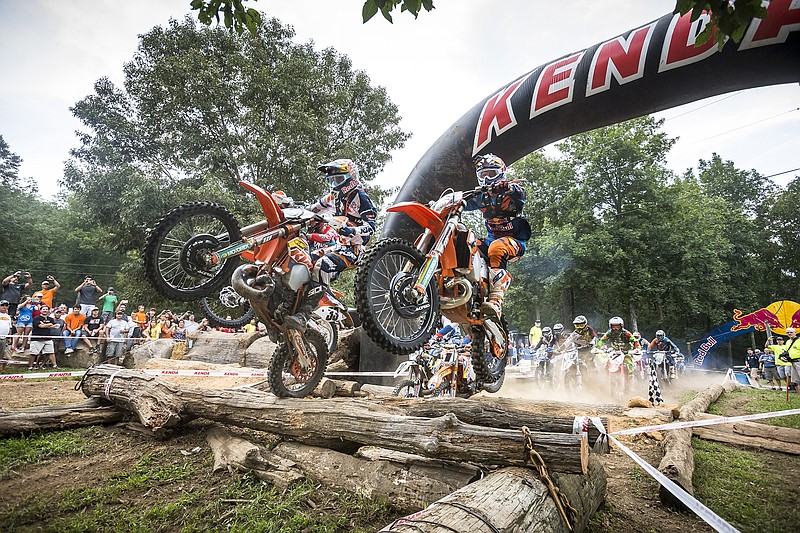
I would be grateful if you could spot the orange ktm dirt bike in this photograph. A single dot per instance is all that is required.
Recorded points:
(196, 248)
(402, 289)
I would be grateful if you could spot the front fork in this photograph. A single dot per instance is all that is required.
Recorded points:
(299, 348)
(431, 264)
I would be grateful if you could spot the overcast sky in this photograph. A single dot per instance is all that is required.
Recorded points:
(434, 68)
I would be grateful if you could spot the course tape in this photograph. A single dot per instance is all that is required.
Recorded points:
(184, 372)
(709, 516)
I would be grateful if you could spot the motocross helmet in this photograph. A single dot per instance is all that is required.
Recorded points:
(547, 332)
(339, 173)
(580, 322)
(558, 328)
(637, 335)
(489, 168)
(282, 199)
(660, 334)
(616, 321)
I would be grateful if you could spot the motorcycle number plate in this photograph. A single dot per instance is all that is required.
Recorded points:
(297, 244)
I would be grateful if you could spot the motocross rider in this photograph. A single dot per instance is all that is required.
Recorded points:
(547, 343)
(584, 336)
(620, 339)
(662, 343)
(507, 230)
(347, 198)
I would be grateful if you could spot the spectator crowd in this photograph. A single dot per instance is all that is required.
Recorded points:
(98, 320)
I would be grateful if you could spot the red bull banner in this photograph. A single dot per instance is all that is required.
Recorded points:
(777, 316)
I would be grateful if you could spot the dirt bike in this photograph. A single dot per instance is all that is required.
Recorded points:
(571, 369)
(542, 372)
(617, 374)
(453, 374)
(228, 309)
(403, 288)
(662, 367)
(418, 372)
(196, 248)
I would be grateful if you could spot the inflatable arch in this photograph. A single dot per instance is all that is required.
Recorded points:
(777, 316)
(648, 69)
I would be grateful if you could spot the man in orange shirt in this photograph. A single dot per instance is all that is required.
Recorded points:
(73, 328)
(48, 291)
(140, 324)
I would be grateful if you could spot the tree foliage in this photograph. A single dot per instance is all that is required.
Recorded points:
(731, 18)
(616, 233)
(202, 109)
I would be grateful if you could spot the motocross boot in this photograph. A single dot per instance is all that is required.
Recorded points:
(492, 308)
(299, 320)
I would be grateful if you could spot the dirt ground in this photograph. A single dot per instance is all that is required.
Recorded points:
(632, 494)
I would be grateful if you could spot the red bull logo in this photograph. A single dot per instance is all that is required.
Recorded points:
(777, 316)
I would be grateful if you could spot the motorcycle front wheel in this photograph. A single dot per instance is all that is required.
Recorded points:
(392, 313)
(288, 377)
(177, 251)
(226, 308)
(407, 388)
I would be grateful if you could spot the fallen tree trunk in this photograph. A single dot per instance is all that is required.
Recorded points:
(727, 434)
(407, 483)
(678, 461)
(56, 417)
(511, 500)
(231, 452)
(492, 412)
(160, 405)
(347, 388)
(755, 429)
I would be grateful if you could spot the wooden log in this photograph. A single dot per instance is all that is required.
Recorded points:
(57, 417)
(325, 389)
(232, 452)
(511, 500)
(678, 461)
(486, 411)
(377, 391)
(755, 429)
(346, 388)
(409, 485)
(160, 405)
(729, 436)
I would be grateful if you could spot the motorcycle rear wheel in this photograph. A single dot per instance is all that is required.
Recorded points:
(286, 377)
(388, 315)
(217, 307)
(490, 369)
(176, 250)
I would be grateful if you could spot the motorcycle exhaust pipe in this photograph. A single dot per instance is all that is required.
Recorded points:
(466, 286)
(243, 279)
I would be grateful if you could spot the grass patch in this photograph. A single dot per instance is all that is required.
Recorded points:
(745, 488)
(752, 401)
(159, 494)
(37, 447)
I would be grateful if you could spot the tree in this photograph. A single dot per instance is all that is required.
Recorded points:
(204, 108)
(731, 18)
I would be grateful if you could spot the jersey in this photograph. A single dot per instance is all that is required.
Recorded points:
(502, 213)
(354, 203)
(620, 339)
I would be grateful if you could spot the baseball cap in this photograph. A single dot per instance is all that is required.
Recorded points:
(4, 302)
(790, 330)
(37, 294)
(110, 289)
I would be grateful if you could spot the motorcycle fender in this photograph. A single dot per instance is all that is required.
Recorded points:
(421, 214)
(403, 368)
(272, 212)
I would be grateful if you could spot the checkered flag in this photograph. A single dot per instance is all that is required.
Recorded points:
(654, 390)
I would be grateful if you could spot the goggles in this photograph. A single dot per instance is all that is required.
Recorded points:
(489, 173)
(334, 180)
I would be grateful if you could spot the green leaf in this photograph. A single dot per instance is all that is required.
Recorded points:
(369, 10)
